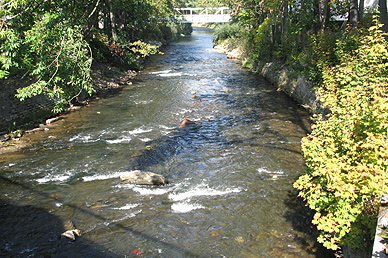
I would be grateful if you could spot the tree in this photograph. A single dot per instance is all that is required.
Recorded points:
(51, 42)
(383, 15)
(353, 14)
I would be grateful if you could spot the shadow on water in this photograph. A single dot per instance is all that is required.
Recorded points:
(301, 218)
(31, 231)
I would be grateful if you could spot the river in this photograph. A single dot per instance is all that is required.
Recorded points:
(230, 173)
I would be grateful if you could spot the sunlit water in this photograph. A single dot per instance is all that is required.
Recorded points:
(231, 173)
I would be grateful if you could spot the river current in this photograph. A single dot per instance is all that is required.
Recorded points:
(230, 173)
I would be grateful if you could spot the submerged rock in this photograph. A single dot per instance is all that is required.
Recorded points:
(143, 178)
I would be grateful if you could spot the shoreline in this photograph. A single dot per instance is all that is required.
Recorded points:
(106, 79)
(296, 86)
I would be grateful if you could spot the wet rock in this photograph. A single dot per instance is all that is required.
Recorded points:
(52, 120)
(186, 122)
(143, 178)
(72, 234)
(69, 225)
(35, 130)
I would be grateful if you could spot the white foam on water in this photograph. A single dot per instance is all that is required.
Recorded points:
(87, 138)
(263, 170)
(201, 190)
(209, 117)
(127, 207)
(184, 207)
(145, 139)
(51, 178)
(103, 177)
(139, 131)
(83, 138)
(182, 112)
(170, 74)
(143, 102)
(150, 191)
(161, 72)
(273, 174)
(126, 138)
(165, 127)
(125, 186)
(119, 140)
(266, 171)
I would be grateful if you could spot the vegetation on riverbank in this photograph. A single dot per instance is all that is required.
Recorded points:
(346, 153)
(53, 44)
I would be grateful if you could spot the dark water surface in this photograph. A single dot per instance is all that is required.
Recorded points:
(231, 173)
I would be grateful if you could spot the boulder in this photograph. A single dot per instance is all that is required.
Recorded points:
(143, 178)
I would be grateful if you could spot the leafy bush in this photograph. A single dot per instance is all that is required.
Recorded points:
(227, 31)
(347, 153)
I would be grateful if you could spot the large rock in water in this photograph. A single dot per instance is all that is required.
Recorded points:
(143, 178)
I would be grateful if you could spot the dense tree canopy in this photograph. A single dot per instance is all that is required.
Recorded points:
(53, 43)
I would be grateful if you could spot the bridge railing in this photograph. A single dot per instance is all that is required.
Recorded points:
(203, 15)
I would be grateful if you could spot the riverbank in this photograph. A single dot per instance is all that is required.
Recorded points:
(303, 92)
(106, 79)
(294, 85)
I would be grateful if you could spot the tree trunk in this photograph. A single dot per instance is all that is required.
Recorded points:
(383, 15)
(324, 15)
(318, 15)
(361, 9)
(285, 16)
(112, 21)
(353, 14)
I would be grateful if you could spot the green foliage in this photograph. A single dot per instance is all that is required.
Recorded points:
(51, 43)
(227, 31)
(58, 60)
(263, 44)
(346, 154)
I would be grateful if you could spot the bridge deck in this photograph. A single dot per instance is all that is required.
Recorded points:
(203, 15)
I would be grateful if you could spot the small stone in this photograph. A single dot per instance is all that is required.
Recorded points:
(69, 234)
(239, 240)
(72, 234)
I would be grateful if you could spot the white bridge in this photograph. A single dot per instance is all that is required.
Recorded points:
(203, 15)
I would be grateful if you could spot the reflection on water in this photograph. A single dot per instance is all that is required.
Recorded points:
(231, 172)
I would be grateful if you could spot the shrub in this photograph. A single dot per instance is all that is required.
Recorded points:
(226, 31)
(347, 153)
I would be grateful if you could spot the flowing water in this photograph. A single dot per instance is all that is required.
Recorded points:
(231, 173)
